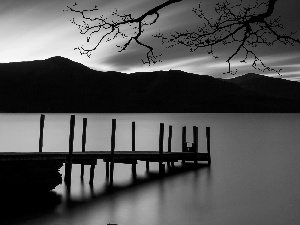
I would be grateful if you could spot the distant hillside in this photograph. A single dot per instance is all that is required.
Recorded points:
(61, 85)
(273, 87)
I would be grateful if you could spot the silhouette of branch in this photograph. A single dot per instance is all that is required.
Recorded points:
(113, 29)
(239, 25)
(245, 26)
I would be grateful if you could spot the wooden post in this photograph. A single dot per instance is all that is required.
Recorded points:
(195, 134)
(71, 138)
(183, 141)
(84, 125)
(170, 139)
(42, 119)
(113, 145)
(68, 164)
(161, 148)
(170, 142)
(133, 167)
(208, 143)
(133, 136)
(92, 169)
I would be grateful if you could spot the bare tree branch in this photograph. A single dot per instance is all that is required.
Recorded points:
(238, 25)
(246, 27)
(114, 28)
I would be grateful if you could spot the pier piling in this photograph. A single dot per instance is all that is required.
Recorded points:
(68, 164)
(113, 144)
(183, 141)
(161, 147)
(170, 144)
(42, 120)
(208, 143)
(133, 149)
(195, 136)
(84, 125)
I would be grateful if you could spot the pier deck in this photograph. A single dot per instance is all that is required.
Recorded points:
(152, 156)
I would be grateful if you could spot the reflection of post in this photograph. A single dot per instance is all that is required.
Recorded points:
(42, 119)
(82, 188)
(84, 125)
(170, 143)
(68, 193)
(68, 164)
(92, 169)
(183, 141)
(107, 169)
(92, 191)
(195, 134)
(147, 166)
(208, 143)
(161, 148)
(113, 144)
(133, 149)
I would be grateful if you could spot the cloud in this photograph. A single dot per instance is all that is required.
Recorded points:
(185, 64)
(289, 66)
(291, 75)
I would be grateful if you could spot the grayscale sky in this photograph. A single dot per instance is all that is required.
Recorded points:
(39, 29)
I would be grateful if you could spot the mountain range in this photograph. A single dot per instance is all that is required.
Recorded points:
(60, 85)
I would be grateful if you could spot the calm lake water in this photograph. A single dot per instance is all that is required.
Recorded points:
(254, 176)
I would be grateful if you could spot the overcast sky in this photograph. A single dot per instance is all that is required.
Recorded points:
(39, 29)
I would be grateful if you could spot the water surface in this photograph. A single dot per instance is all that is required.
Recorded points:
(253, 179)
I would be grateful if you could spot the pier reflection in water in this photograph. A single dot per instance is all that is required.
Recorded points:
(139, 201)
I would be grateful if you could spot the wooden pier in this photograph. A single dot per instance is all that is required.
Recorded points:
(111, 157)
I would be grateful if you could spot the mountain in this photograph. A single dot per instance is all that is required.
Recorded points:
(268, 86)
(61, 85)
